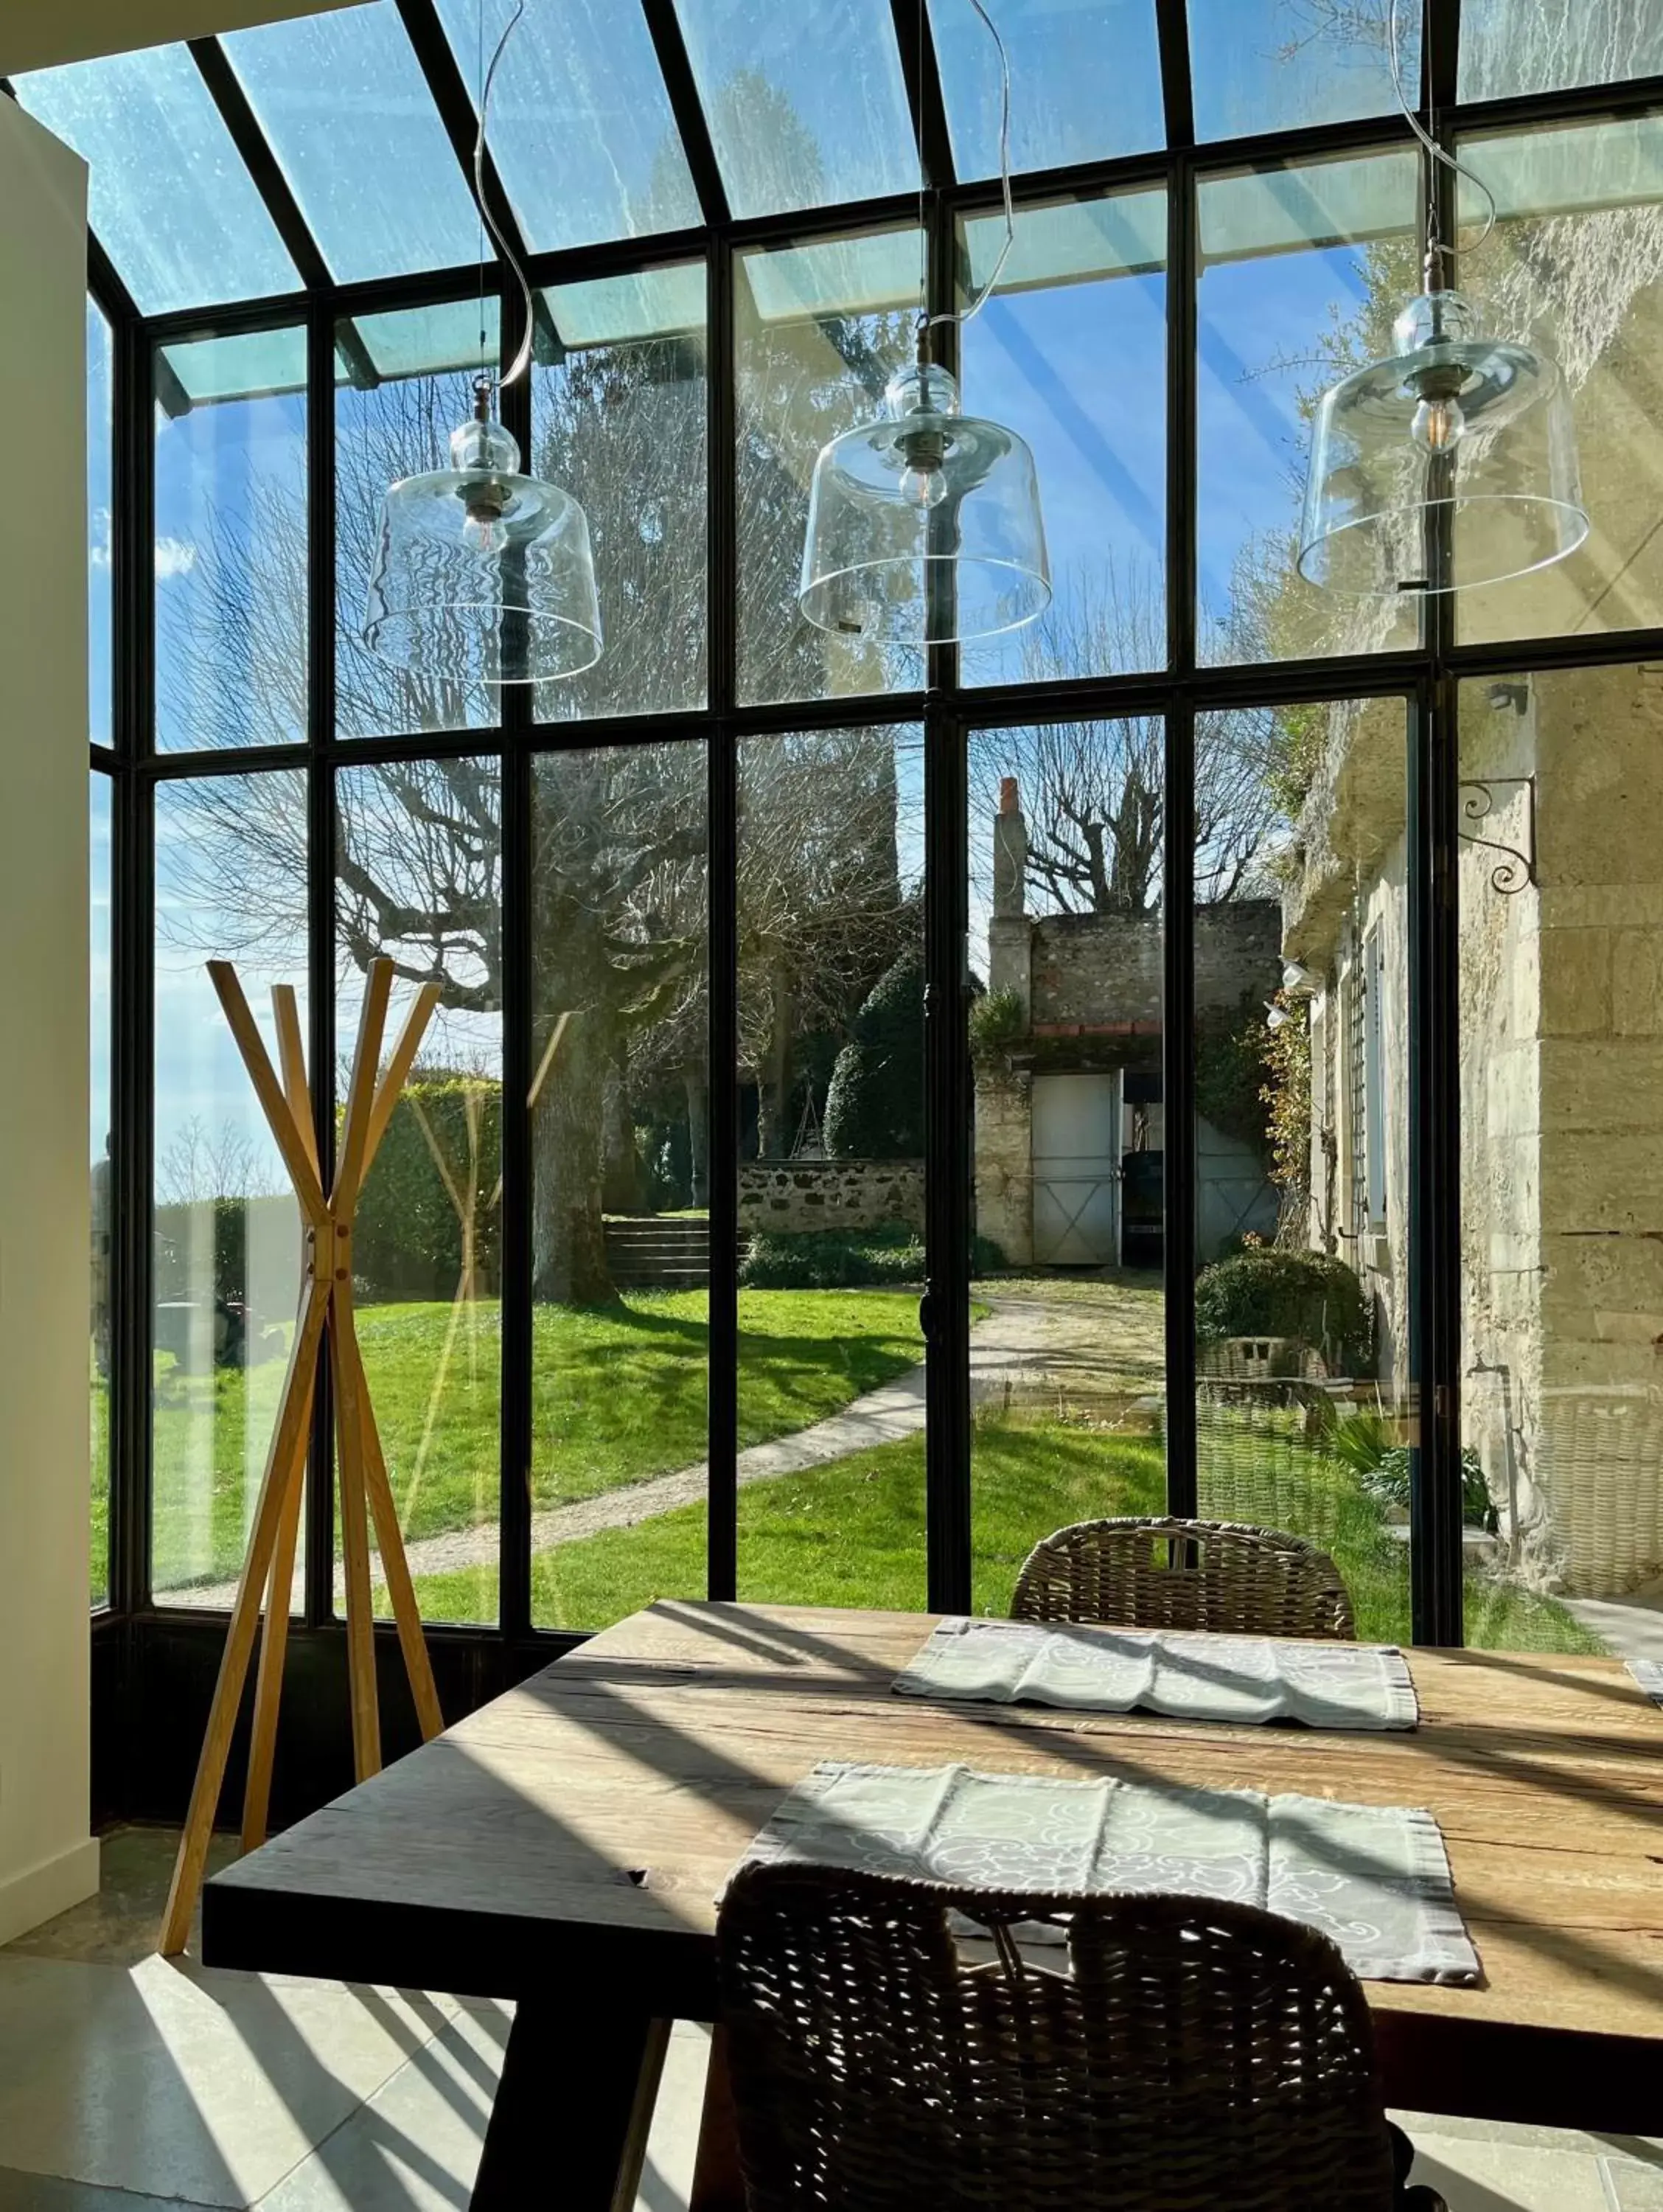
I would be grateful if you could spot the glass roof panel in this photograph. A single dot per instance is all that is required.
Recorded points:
(873, 274)
(1514, 46)
(168, 196)
(1062, 53)
(1071, 241)
(581, 126)
(648, 303)
(1314, 207)
(1261, 65)
(347, 111)
(250, 364)
(806, 106)
(416, 341)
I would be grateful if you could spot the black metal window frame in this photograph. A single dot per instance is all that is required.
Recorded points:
(1425, 677)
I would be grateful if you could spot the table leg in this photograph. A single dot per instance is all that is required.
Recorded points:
(718, 2182)
(573, 2108)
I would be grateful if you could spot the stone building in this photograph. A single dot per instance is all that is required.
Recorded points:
(1562, 1092)
(1069, 1132)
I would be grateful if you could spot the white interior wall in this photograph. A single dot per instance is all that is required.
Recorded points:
(39, 34)
(47, 1859)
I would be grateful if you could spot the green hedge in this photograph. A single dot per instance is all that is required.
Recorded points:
(846, 1259)
(1275, 1294)
(408, 1241)
(875, 1101)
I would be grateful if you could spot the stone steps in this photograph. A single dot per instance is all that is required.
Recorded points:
(651, 1252)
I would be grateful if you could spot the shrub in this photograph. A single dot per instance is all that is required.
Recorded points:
(1367, 1443)
(875, 1101)
(847, 1259)
(997, 1019)
(406, 1242)
(1275, 1294)
(1229, 1070)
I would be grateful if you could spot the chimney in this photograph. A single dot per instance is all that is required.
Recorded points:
(1009, 853)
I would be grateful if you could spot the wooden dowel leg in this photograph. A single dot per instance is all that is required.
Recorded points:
(283, 1462)
(273, 1643)
(353, 1492)
(389, 1542)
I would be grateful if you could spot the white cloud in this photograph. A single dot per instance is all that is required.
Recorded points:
(175, 556)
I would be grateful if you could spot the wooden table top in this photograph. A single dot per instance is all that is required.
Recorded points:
(585, 1822)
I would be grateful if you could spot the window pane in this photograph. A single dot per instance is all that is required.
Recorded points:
(1062, 54)
(805, 107)
(581, 130)
(1570, 270)
(168, 193)
(1083, 286)
(620, 1150)
(419, 881)
(1303, 270)
(821, 330)
(619, 421)
(103, 1217)
(230, 885)
(1509, 46)
(348, 115)
(403, 382)
(1067, 1344)
(831, 1169)
(100, 595)
(230, 553)
(1281, 64)
(1303, 1399)
(1561, 1281)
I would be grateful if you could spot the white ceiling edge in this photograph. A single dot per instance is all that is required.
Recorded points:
(39, 34)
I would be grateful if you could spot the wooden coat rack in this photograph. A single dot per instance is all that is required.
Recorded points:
(325, 1313)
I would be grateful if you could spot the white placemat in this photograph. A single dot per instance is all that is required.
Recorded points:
(1194, 1677)
(1648, 1672)
(1374, 1878)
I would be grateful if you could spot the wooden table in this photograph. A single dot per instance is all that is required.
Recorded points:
(565, 1846)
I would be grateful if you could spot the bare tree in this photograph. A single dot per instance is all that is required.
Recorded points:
(1094, 792)
(200, 1163)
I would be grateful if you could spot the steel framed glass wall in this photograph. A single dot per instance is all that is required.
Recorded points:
(686, 825)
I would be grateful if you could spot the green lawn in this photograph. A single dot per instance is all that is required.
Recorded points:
(619, 1395)
(853, 1533)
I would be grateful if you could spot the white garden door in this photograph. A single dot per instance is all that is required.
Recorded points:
(1076, 1146)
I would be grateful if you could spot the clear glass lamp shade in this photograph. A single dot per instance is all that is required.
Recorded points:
(925, 526)
(483, 575)
(1452, 464)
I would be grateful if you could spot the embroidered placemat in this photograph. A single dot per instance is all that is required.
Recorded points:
(1648, 1672)
(1374, 1878)
(1194, 1677)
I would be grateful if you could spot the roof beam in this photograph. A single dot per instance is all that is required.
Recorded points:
(457, 113)
(677, 71)
(225, 88)
(1177, 95)
(926, 100)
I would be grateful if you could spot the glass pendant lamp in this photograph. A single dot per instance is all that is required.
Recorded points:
(483, 575)
(925, 526)
(1451, 462)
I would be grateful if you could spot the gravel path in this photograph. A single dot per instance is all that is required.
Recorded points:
(1065, 1344)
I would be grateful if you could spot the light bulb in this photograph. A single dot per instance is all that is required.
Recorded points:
(483, 533)
(1438, 425)
(923, 488)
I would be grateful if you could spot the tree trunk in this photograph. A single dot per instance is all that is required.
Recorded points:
(569, 1234)
(698, 1134)
(621, 1174)
(773, 1081)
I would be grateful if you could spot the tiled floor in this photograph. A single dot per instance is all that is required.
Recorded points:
(130, 2083)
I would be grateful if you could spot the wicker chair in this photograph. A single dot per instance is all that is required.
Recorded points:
(1159, 1573)
(1198, 2055)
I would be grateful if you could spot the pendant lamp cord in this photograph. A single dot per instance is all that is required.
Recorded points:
(927, 322)
(1435, 248)
(522, 360)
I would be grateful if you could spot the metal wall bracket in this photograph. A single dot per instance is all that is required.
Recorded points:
(1517, 869)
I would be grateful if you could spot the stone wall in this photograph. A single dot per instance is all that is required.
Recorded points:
(790, 1196)
(1005, 1158)
(1097, 971)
